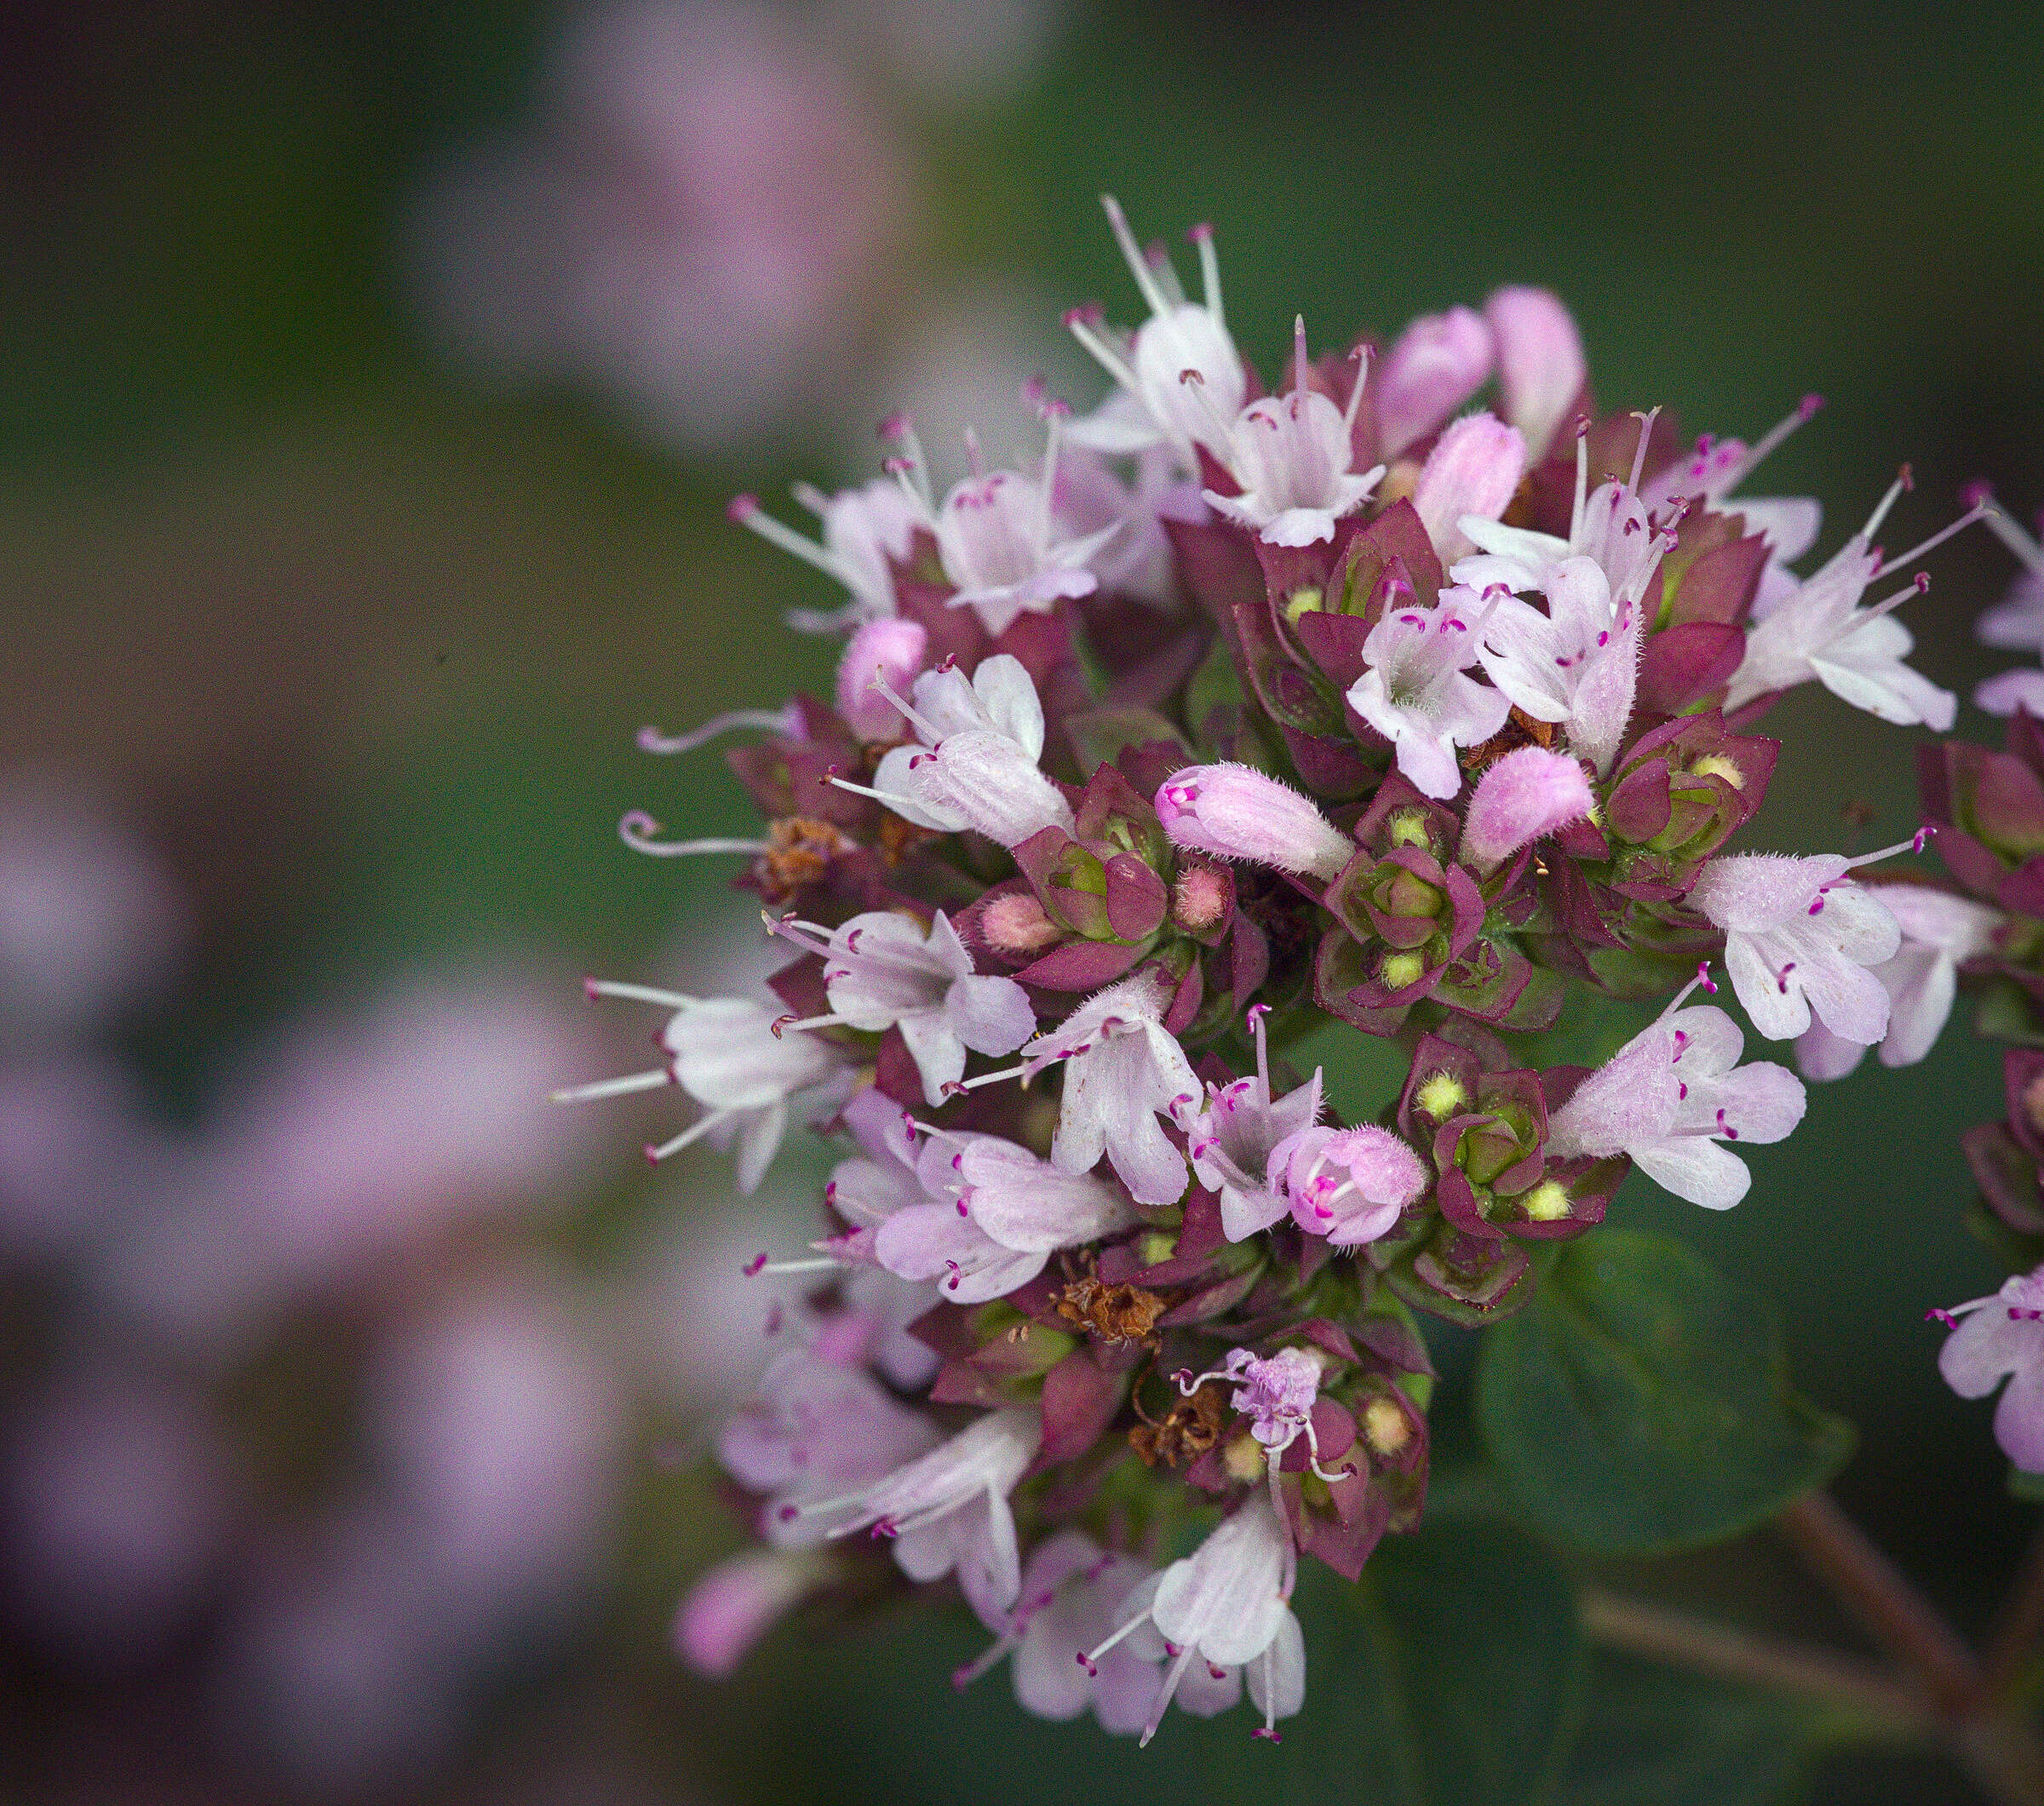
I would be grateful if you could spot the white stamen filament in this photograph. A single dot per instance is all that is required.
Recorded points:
(767, 720)
(776, 533)
(2012, 535)
(1158, 302)
(687, 1138)
(1104, 355)
(1880, 510)
(635, 827)
(1360, 357)
(1646, 428)
(639, 994)
(1804, 410)
(652, 1081)
(1937, 539)
(1209, 275)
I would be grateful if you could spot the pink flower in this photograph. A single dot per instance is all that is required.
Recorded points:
(1349, 1185)
(2003, 1337)
(730, 1607)
(1474, 471)
(1526, 795)
(1439, 361)
(1415, 693)
(1539, 362)
(890, 650)
(1232, 1138)
(1235, 811)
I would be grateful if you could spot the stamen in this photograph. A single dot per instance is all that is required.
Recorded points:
(761, 1264)
(1944, 1317)
(1223, 425)
(804, 935)
(780, 1025)
(887, 798)
(1131, 254)
(636, 827)
(1360, 357)
(897, 429)
(597, 988)
(747, 511)
(1053, 413)
(1101, 351)
(784, 721)
(990, 1078)
(1806, 409)
(930, 732)
(1906, 481)
(2004, 528)
(1158, 261)
(613, 1088)
(1302, 369)
(694, 1133)
(1964, 521)
(1582, 482)
(1209, 272)
(1088, 1658)
(1646, 428)
(973, 455)
(1913, 845)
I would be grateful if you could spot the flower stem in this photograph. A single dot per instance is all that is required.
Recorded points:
(2017, 1624)
(1897, 1617)
(1862, 1691)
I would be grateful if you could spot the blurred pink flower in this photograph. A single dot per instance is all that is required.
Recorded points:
(706, 217)
(119, 1496)
(355, 1135)
(88, 921)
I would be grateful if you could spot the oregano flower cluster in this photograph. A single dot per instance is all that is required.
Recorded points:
(1407, 694)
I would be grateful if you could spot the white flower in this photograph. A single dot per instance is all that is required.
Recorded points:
(1940, 932)
(1233, 1136)
(1153, 404)
(949, 1509)
(725, 1054)
(1856, 653)
(1670, 1095)
(813, 1428)
(1226, 1605)
(1577, 665)
(977, 764)
(2017, 621)
(1292, 456)
(884, 971)
(977, 1215)
(1123, 1070)
(1415, 693)
(1799, 937)
(2003, 1335)
(1072, 1597)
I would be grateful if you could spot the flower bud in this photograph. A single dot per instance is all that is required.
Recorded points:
(890, 649)
(1526, 794)
(1540, 363)
(1440, 360)
(738, 1602)
(1473, 470)
(1237, 812)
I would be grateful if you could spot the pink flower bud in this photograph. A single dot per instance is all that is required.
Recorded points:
(1473, 470)
(736, 1602)
(892, 650)
(1539, 364)
(1525, 795)
(1439, 361)
(1235, 811)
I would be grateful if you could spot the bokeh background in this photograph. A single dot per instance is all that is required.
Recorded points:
(373, 380)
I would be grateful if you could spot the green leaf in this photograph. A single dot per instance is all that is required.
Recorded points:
(1468, 1638)
(1641, 1402)
(2027, 1487)
(1652, 1737)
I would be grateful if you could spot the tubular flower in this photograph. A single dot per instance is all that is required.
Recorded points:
(2002, 1337)
(1233, 1136)
(1670, 1096)
(1415, 693)
(1236, 812)
(1799, 937)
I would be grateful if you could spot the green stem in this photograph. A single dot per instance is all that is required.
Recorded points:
(1867, 1697)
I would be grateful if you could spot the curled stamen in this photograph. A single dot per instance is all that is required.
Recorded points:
(636, 827)
(786, 722)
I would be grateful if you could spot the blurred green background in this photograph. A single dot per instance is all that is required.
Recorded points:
(357, 636)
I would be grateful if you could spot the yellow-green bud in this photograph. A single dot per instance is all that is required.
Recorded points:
(1407, 828)
(1548, 1201)
(1442, 1095)
(1244, 1458)
(1401, 969)
(1716, 764)
(1385, 1427)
